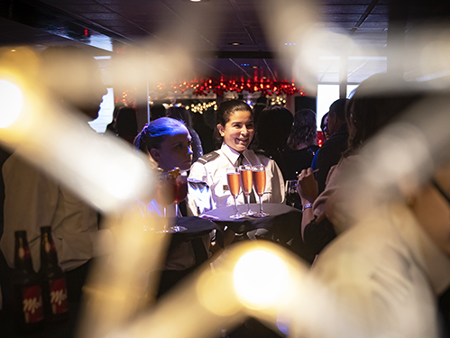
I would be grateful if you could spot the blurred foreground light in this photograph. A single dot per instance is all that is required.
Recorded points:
(11, 100)
(260, 277)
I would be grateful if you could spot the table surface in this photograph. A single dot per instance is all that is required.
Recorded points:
(282, 226)
(194, 227)
(273, 209)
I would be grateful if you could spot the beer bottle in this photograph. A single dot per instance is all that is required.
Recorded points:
(54, 290)
(28, 307)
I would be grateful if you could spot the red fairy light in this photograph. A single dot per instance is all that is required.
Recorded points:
(205, 86)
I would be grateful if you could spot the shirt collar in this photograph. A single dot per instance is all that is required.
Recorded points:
(230, 153)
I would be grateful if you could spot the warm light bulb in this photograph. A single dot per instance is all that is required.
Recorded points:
(260, 277)
(11, 100)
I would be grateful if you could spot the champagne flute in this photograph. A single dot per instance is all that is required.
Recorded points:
(180, 191)
(259, 182)
(233, 178)
(247, 185)
(165, 194)
(292, 197)
(179, 188)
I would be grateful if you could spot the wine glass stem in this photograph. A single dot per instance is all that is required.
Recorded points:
(235, 206)
(248, 204)
(176, 210)
(166, 223)
(260, 205)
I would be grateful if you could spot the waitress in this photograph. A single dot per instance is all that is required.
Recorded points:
(236, 130)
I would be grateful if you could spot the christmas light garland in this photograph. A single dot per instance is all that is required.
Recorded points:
(205, 86)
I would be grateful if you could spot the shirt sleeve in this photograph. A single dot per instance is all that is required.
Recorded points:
(198, 173)
(276, 183)
(199, 198)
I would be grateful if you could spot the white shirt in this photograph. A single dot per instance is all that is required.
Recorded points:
(33, 200)
(213, 174)
(382, 277)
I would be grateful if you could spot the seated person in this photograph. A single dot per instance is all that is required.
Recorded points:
(301, 144)
(367, 113)
(168, 145)
(384, 275)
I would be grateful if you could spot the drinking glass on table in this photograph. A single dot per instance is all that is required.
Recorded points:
(247, 185)
(165, 194)
(180, 190)
(259, 182)
(292, 197)
(234, 184)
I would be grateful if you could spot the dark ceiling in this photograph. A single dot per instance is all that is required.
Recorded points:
(210, 28)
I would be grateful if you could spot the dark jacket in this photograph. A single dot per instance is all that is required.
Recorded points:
(330, 154)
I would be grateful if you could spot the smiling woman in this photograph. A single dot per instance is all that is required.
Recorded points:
(235, 129)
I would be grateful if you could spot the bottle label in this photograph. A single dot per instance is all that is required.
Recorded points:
(58, 296)
(32, 304)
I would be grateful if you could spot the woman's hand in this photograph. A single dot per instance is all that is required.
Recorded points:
(307, 186)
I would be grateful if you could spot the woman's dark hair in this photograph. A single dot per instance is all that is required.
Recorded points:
(180, 113)
(304, 130)
(126, 124)
(370, 109)
(157, 111)
(322, 122)
(225, 110)
(154, 134)
(274, 127)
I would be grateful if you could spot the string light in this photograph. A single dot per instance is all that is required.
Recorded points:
(278, 101)
(200, 107)
(218, 87)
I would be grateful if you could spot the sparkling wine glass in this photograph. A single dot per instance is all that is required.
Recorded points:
(180, 190)
(234, 184)
(165, 194)
(247, 185)
(259, 182)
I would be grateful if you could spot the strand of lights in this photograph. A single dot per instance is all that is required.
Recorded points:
(128, 98)
(204, 86)
(167, 105)
(200, 107)
(278, 101)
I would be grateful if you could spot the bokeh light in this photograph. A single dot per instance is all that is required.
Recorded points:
(11, 100)
(260, 278)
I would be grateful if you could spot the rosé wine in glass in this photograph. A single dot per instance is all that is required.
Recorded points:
(234, 184)
(247, 185)
(259, 181)
(180, 188)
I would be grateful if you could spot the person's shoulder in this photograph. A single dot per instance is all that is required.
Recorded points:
(333, 144)
(261, 154)
(210, 157)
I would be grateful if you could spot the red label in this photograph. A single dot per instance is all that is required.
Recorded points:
(58, 296)
(32, 304)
